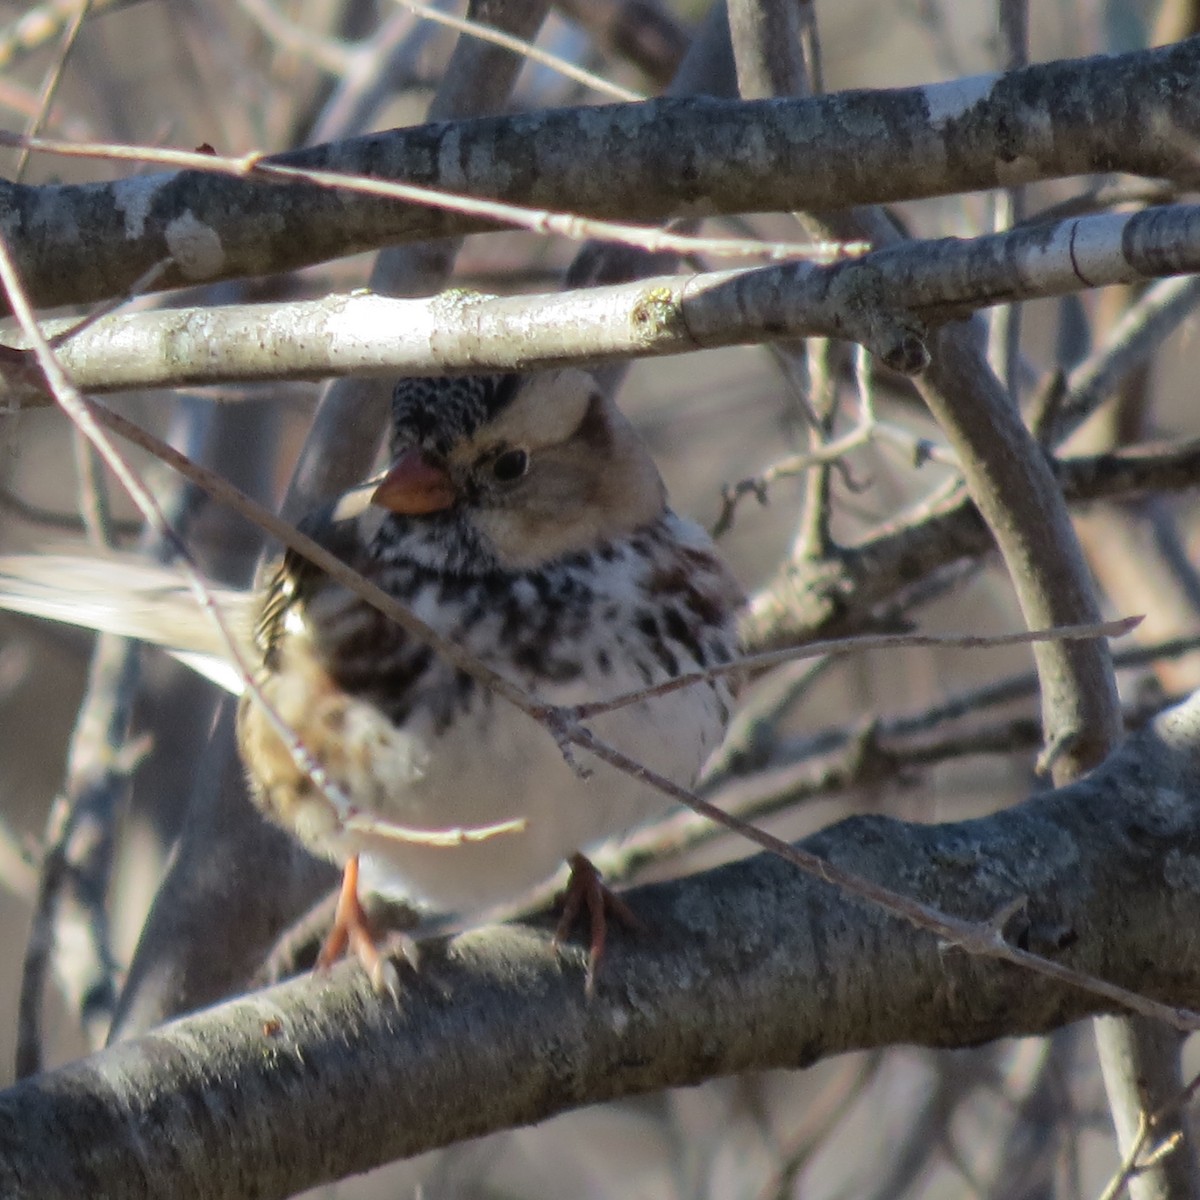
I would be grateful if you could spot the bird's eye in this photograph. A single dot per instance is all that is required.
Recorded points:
(510, 465)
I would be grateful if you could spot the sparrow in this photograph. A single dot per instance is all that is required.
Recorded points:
(522, 518)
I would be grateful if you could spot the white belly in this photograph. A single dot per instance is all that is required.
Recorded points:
(454, 756)
(490, 767)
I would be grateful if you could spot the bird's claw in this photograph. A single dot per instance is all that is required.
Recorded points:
(352, 930)
(586, 890)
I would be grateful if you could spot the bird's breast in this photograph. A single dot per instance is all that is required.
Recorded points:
(418, 745)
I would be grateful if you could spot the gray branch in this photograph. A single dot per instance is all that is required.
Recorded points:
(751, 966)
(648, 161)
(881, 300)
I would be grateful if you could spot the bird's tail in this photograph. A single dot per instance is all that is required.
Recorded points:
(133, 598)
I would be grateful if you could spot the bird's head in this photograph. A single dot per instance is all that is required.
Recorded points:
(529, 467)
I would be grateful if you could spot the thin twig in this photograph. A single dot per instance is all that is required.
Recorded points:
(50, 84)
(1130, 1164)
(520, 46)
(823, 765)
(1143, 326)
(142, 283)
(332, 55)
(42, 22)
(853, 645)
(787, 468)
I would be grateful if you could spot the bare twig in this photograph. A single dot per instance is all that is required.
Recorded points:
(1137, 1156)
(43, 22)
(330, 54)
(524, 49)
(52, 80)
(1143, 326)
(646, 32)
(883, 641)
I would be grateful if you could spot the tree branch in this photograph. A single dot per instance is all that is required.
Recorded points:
(879, 300)
(747, 967)
(636, 161)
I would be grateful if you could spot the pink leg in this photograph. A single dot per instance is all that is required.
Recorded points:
(351, 929)
(586, 890)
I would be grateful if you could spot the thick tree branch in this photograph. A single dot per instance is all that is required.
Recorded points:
(881, 300)
(646, 161)
(747, 967)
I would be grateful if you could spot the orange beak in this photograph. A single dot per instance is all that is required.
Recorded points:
(413, 486)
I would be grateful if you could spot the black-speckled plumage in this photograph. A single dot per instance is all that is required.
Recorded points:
(571, 578)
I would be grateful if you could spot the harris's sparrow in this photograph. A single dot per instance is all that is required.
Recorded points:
(523, 519)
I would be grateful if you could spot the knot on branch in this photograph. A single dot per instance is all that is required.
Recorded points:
(869, 315)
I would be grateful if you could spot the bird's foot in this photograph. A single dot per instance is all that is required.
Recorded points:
(586, 890)
(352, 930)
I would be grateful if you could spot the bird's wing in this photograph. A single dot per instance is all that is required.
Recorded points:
(133, 598)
